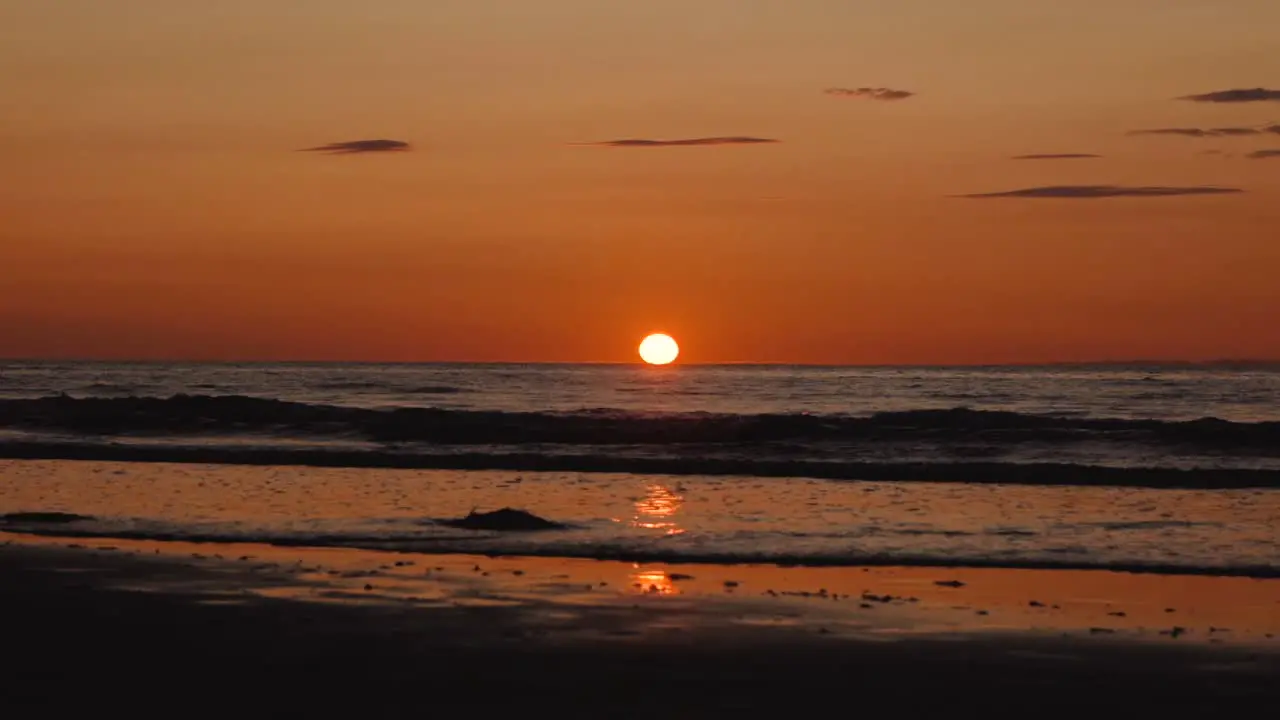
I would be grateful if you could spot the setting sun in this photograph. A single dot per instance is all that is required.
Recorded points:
(659, 349)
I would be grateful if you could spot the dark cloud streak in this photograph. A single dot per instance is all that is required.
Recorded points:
(1093, 192)
(1264, 154)
(1204, 132)
(1056, 156)
(869, 93)
(352, 147)
(1242, 95)
(635, 142)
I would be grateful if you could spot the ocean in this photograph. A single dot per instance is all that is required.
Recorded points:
(1134, 467)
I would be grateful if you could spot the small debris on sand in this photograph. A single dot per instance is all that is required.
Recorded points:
(949, 583)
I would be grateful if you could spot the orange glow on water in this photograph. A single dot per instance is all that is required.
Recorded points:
(657, 510)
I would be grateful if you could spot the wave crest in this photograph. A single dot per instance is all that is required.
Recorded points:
(183, 413)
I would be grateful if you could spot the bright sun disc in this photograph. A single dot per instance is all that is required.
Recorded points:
(659, 349)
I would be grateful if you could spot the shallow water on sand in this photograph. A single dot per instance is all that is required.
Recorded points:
(723, 519)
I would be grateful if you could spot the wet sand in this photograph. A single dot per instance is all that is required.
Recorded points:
(165, 628)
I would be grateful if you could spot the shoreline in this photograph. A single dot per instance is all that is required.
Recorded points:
(653, 519)
(422, 547)
(976, 473)
(309, 627)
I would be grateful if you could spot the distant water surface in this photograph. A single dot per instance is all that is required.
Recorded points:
(1186, 426)
(1125, 392)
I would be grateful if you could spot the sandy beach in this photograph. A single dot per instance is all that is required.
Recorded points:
(151, 627)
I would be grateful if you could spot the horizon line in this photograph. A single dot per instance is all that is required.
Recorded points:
(637, 363)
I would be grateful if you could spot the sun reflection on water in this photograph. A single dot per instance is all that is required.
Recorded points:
(652, 580)
(657, 510)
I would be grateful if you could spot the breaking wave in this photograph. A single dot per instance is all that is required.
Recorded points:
(953, 445)
(511, 545)
(209, 413)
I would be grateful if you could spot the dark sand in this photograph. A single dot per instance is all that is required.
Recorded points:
(141, 629)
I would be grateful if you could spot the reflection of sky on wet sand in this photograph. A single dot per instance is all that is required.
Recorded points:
(657, 510)
(560, 592)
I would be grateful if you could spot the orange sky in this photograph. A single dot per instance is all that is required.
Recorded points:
(153, 204)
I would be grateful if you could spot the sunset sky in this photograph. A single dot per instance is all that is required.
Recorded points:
(154, 202)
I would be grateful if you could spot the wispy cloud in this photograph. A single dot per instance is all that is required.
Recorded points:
(1206, 132)
(1093, 192)
(1264, 154)
(635, 142)
(1056, 156)
(1242, 95)
(352, 147)
(870, 93)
